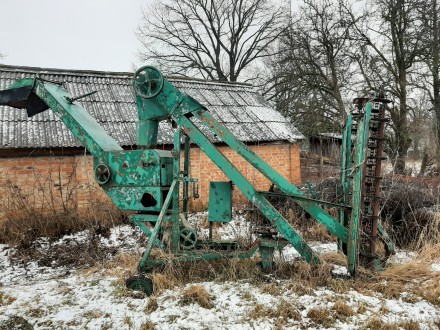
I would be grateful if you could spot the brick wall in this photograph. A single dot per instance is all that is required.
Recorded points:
(283, 157)
(52, 183)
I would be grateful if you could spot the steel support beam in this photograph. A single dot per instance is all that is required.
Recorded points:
(285, 186)
(282, 225)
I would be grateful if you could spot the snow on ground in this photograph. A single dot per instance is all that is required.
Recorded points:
(61, 298)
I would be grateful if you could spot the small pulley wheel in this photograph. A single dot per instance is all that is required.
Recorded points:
(102, 174)
(188, 238)
(147, 82)
(140, 283)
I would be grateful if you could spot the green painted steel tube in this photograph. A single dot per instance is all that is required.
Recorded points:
(283, 227)
(85, 128)
(146, 230)
(175, 229)
(353, 233)
(186, 164)
(157, 226)
(345, 176)
(285, 186)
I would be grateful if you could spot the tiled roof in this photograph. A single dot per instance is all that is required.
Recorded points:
(238, 106)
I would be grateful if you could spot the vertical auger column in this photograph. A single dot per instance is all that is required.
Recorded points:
(372, 186)
(364, 228)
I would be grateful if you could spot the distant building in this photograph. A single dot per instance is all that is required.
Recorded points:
(41, 160)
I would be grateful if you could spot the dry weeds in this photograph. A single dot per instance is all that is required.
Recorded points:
(152, 305)
(147, 326)
(6, 299)
(283, 311)
(197, 294)
(342, 309)
(321, 316)
(271, 288)
(48, 208)
(409, 325)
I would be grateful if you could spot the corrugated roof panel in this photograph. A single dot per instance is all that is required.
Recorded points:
(211, 97)
(237, 99)
(249, 98)
(243, 110)
(225, 97)
(265, 114)
(48, 116)
(242, 115)
(197, 94)
(282, 130)
(129, 111)
(239, 131)
(223, 114)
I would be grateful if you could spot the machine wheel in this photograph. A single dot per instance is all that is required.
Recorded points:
(140, 283)
(102, 174)
(188, 238)
(147, 82)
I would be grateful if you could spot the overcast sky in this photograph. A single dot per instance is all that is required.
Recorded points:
(75, 34)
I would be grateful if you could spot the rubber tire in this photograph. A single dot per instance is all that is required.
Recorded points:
(140, 283)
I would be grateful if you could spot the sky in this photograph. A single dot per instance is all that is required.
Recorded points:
(71, 34)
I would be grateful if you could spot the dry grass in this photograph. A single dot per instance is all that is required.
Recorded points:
(179, 274)
(162, 282)
(271, 288)
(321, 316)
(147, 326)
(399, 278)
(342, 309)
(260, 311)
(6, 299)
(409, 325)
(287, 310)
(152, 305)
(48, 208)
(197, 294)
(376, 322)
(283, 311)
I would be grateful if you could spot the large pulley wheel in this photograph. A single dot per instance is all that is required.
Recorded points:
(188, 238)
(147, 82)
(140, 283)
(102, 173)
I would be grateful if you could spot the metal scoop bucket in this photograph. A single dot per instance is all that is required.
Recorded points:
(23, 98)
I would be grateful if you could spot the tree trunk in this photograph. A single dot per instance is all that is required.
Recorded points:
(403, 139)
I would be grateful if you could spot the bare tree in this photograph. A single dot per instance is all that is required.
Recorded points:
(430, 72)
(314, 68)
(215, 39)
(393, 40)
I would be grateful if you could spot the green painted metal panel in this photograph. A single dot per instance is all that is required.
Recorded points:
(134, 198)
(138, 167)
(146, 133)
(220, 201)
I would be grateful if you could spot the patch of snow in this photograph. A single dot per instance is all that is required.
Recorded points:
(402, 256)
(51, 298)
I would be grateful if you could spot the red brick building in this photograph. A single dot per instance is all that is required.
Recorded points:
(42, 164)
